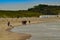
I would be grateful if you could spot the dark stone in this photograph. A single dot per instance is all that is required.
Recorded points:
(24, 22)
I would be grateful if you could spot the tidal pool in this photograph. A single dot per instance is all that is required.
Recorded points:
(41, 31)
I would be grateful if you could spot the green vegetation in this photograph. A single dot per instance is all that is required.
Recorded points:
(46, 9)
(36, 11)
(18, 14)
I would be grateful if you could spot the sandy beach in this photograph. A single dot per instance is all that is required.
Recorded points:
(6, 34)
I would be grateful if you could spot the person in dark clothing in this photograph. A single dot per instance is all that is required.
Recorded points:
(8, 24)
(29, 21)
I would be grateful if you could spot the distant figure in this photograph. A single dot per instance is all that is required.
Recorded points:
(8, 24)
(29, 21)
(24, 22)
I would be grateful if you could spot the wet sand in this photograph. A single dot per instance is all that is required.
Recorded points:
(41, 31)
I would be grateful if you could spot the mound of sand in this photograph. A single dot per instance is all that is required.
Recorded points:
(5, 35)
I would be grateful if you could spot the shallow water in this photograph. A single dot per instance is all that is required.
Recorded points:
(42, 31)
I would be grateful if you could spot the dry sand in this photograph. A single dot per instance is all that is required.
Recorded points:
(5, 33)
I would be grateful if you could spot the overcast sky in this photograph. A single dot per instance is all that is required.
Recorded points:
(24, 4)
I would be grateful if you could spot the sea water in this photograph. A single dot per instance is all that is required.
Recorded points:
(41, 31)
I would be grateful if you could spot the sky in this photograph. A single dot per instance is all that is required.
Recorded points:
(24, 4)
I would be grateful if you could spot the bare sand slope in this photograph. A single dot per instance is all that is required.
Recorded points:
(5, 35)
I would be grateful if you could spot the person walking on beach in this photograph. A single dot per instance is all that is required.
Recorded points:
(29, 21)
(8, 24)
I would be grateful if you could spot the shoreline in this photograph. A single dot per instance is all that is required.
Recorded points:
(14, 22)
